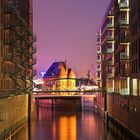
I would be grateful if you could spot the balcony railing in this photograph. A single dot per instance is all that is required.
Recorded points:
(110, 76)
(124, 56)
(110, 90)
(98, 78)
(110, 13)
(124, 40)
(124, 22)
(98, 61)
(110, 50)
(124, 72)
(98, 51)
(110, 25)
(99, 69)
(124, 91)
(110, 38)
(110, 63)
(123, 5)
(98, 42)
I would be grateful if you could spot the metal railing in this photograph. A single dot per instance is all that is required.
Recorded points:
(110, 50)
(124, 56)
(124, 22)
(110, 76)
(110, 25)
(110, 63)
(124, 4)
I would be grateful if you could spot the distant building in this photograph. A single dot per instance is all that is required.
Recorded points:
(59, 77)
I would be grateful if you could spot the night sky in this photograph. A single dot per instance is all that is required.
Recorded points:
(66, 30)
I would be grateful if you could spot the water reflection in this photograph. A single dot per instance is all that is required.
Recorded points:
(66, 126)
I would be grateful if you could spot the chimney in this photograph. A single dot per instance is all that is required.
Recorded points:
(65, 64)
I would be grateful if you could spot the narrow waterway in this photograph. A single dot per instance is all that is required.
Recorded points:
(65, 125)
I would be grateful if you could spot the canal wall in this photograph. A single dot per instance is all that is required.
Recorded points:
(100, 103)
(14, 112)
(125, 110)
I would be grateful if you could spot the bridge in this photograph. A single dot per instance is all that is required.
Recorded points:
(63, 100)
(66, 92)
(57, 94)
(67, 85)
(62, 95)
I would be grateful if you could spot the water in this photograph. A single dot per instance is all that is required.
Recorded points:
(65, 125)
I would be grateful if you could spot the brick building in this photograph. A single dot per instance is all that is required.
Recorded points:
(118, 67)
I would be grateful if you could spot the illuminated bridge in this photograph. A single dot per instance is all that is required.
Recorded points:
(66, 92)
(67, 85)
(66, 88)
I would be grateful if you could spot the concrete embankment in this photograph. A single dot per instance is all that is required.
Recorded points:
(14, 113)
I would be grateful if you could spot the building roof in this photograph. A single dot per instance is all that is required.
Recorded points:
(59, 69)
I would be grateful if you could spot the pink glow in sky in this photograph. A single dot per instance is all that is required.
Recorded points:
(66, 30)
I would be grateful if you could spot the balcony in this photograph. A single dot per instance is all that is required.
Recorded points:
(110, 38)
(98, 61)
(124, 72)
(110, 14)
(98, 78)
(110, 50)
(124, 56)
(110, 76)
(124, 40)
(98, 69)
(124, 22)
(99, 51)
(123, 5)
(10, 6)
(124, 91)
(110, 25)
(110, 90)
(110, 63)
(98, 42)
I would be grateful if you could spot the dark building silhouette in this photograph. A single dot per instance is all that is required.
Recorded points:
(16, 47)
(16, 64)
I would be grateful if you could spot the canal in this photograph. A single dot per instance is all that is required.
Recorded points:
(65, 125)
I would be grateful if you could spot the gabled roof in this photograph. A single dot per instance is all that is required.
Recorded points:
(56, 68)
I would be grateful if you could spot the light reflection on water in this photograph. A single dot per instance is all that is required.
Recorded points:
(60, 125)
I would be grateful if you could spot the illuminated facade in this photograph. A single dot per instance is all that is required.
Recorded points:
(59, 77)
(99, 55)
(118, 63)
(16, 47)
(135, 47)
(113, 69)
(122, 49)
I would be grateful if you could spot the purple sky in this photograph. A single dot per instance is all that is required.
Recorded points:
(66, 30)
